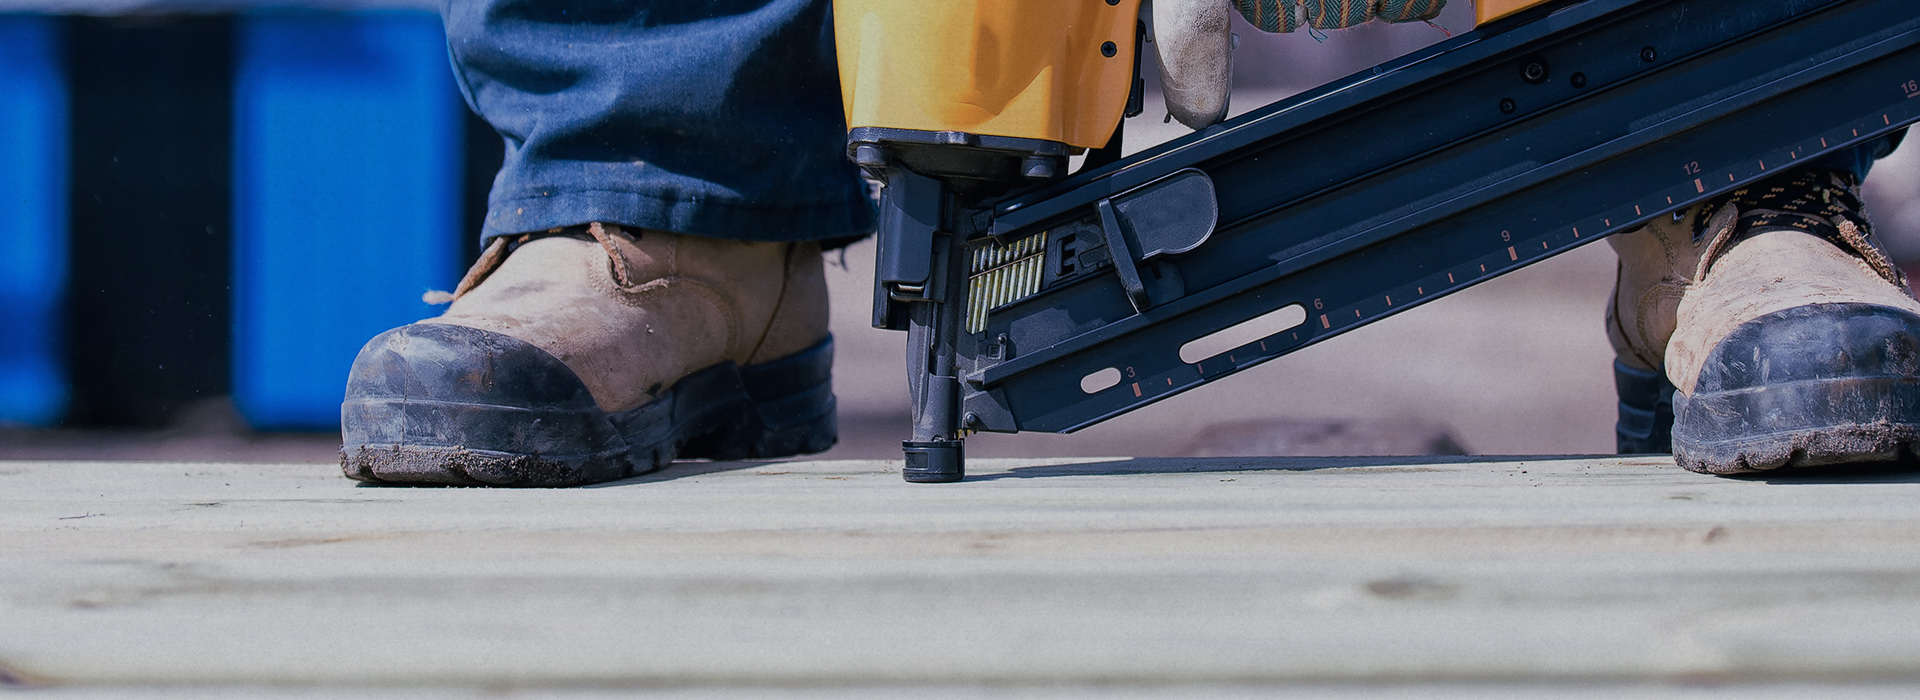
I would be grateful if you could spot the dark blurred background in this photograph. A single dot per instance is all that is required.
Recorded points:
(206, 207)
(205, 204)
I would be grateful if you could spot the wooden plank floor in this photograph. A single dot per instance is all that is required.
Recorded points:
(1338, 577)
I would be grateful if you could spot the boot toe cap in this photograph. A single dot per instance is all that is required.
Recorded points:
(441, 403)
(1806, 386)
(433, 361)
(1817, 342)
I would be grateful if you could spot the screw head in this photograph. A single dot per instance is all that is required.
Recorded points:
(1579, 80)
(1535, 72)
(1649, 54)
(1108, 49)
(1508, 106)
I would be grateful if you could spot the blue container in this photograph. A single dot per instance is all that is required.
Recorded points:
(347, 150)
(33, 219)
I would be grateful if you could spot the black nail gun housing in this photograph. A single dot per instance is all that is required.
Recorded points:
(1053, 304)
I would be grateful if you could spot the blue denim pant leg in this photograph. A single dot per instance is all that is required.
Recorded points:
(719, 118)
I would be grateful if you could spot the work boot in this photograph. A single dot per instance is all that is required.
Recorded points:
(1788, 336)
(590, 354)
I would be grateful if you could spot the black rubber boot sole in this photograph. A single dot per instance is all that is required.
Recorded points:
(1810, 386)
(443, 404)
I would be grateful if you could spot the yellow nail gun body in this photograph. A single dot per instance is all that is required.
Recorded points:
(1011, 68)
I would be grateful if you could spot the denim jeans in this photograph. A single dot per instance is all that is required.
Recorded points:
(717, 118)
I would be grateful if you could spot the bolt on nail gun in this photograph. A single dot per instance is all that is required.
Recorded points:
(1038, 300)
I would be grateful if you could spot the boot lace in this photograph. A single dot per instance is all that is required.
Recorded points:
(1824, 203)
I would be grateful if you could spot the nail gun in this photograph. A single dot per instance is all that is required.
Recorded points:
(1040, 300)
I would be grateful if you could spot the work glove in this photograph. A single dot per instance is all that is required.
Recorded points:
(1289, 15)
(1195, 41)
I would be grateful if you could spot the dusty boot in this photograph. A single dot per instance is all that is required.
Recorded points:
(1795, 342)
(592, 354)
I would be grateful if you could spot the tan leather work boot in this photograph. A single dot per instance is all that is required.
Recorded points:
(1788, 337)
(591, 354)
